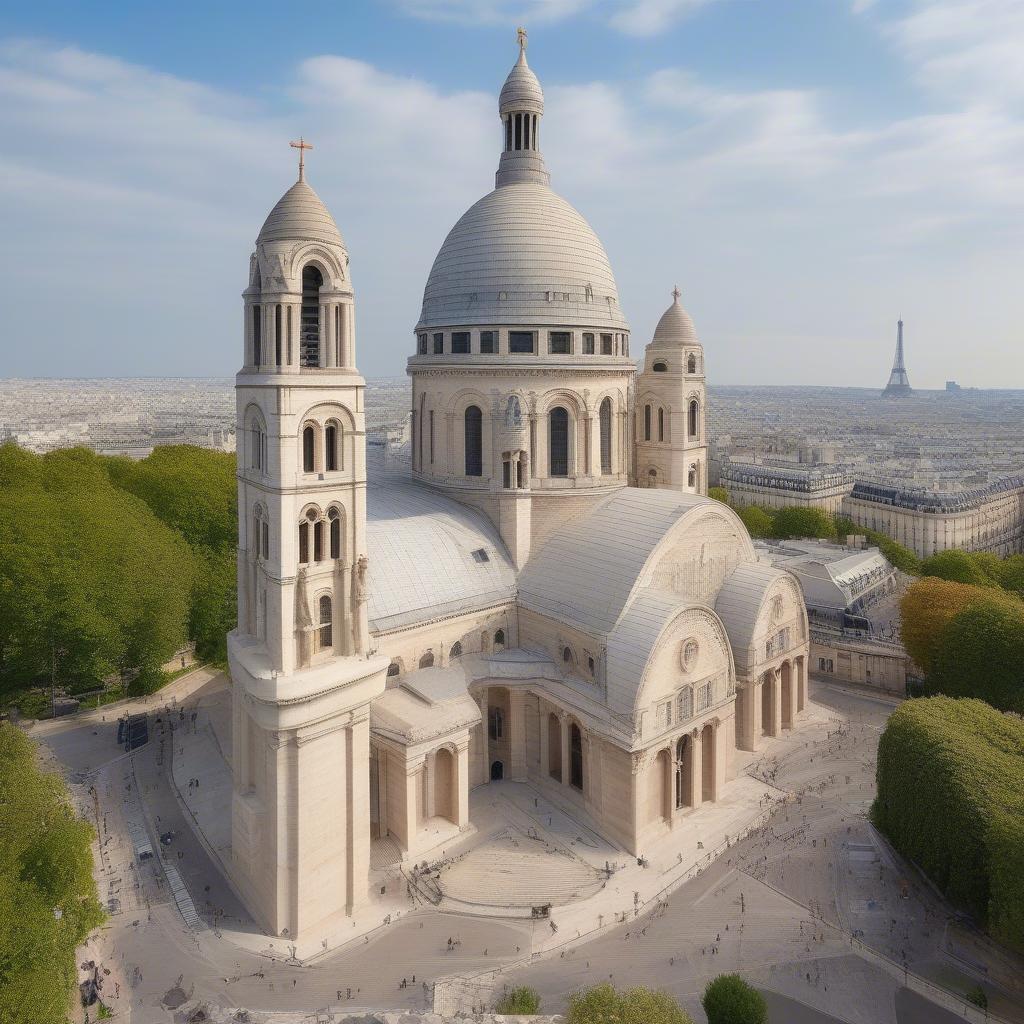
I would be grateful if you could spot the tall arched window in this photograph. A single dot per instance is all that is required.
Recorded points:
(334, 520)
(661, 424)
(694, 417)
(647, 423)
(318, 541)
(691, 363)
(473, 426)
(258, 436)
(303, 543)
(427, 660)
(558, 442)
(499, 640)
(278, 336)
(257, 335)
(308, 449)
(605, 426)
(326, 637)
(331, 447)
(309, 323)
(456, 651)
(575, 757)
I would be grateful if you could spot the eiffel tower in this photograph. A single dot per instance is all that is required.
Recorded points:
(898, 383)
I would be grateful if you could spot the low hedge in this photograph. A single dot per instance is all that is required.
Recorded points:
(951, 798)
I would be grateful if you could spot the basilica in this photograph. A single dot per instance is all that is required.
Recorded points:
(545, 596)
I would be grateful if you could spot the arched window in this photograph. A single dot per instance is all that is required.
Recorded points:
(278, 337)
(309, 322)
(683, 771)
(394, 669)
(685, 704)
(257, 335)
(652, 477)
(558, 442)
(334, 520)
(456, 651)
(694, 417)
(261, 533)
(308, 450)
(691, 363)
(427, 660)
(473, 426)
(318, 541)
(647, 423)
(575, 757)
(605, 426)
(661, 424)
(499, 640)
(326, 639)
(567, 656)
(691, 476)
(331, 447)
(258, 436)
(660, 368)
(303, 543)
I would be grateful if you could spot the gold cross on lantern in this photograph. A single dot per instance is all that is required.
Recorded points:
(302, 145)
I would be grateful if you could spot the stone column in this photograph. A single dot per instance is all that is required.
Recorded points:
(776, 727)
(322, 355)
(357, 809)
(410, 820)
(350, 336)
(429, 782)
(563, 719)
(542, 732)
(517, 734)
(697, 770)
(485, 733)
(460, 798)
(588, 440)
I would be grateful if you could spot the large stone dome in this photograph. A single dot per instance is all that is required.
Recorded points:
(522, 255)
(300, 215)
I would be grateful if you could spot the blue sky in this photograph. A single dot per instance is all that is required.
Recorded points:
(805, 170)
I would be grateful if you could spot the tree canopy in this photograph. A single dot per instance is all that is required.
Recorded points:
(604, 1004)
(963, 567)
(47, 892)
(728, 999)
(796, 521)
(91, 582)
(951, 799)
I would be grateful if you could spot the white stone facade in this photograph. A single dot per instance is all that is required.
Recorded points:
(529, 602)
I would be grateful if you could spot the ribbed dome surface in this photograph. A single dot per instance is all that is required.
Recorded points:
(512, 258)
(521, 90)
(675, 328)
(300, 215)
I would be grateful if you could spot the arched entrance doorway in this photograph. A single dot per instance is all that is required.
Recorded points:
(768, 705)
(801, 685)
(445, 795)
(554, 747)
(497, 771)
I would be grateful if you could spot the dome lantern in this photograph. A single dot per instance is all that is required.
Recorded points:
(521, 107)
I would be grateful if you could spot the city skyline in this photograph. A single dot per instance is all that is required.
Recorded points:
(802, 195)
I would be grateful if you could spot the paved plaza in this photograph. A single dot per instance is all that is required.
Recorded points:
(780, 905)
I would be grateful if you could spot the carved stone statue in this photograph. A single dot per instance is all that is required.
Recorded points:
(361, 587)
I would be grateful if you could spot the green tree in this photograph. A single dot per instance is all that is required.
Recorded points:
(522, 1000)
(758, 521)
(604, 1004)
(719, 494)
(794, 521)
(47, 893)
(728, 999)
(958, 567)
(981, 654)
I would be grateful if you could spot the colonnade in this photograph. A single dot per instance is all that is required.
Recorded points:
(769, 704)
(280, 337)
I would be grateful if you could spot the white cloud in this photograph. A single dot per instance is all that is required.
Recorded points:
(494, 12)
(139, 195)
(649, 17)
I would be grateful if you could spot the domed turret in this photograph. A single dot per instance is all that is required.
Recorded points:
(521, 107)
(675, 328)
(670, 415)
(300, 215)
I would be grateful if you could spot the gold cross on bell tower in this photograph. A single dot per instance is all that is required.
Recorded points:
(521, 37)
(302, 145)
(676, 293)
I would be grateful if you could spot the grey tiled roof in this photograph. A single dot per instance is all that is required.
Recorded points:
(420, 545)
(587, 570)
(739, 602)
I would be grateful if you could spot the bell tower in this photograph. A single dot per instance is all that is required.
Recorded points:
(300, 665)
(670, 430)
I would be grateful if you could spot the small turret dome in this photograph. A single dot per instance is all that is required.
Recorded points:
(521, 90)
(675, 328)
(300, 215)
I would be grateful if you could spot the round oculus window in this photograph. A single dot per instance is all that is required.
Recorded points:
(688, 655)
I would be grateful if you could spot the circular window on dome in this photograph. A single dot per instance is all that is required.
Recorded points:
(688, 654)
